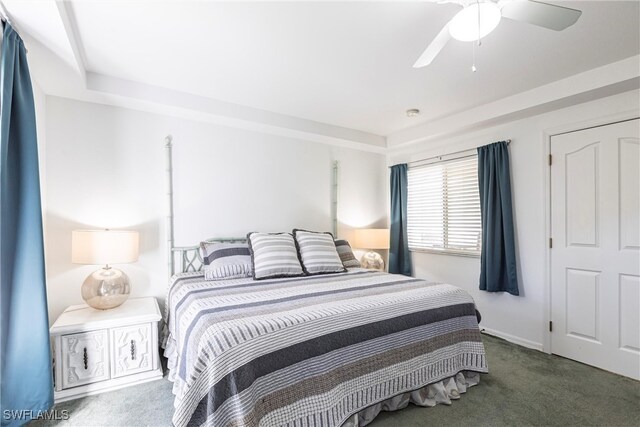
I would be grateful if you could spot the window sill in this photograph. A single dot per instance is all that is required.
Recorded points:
(447, 252)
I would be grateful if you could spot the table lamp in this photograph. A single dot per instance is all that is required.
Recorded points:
(107, 287)
(372, 238)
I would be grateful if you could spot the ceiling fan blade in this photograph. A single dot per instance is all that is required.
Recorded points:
(541, 14)
(434, 48)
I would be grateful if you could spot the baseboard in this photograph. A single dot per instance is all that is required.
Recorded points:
(514, 339)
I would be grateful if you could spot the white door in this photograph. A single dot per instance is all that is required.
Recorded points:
(595, 256)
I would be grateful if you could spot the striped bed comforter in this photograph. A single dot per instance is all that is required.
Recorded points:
(311, 351)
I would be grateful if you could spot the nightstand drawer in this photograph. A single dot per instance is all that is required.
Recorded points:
(85, 358)
(132, 349)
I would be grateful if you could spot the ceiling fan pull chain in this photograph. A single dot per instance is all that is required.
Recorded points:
(473, 50)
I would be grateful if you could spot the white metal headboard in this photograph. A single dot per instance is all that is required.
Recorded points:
(183, 259)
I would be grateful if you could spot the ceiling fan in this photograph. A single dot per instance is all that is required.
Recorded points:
(480, 17)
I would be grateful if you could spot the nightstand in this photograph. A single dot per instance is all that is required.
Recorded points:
(103, 350)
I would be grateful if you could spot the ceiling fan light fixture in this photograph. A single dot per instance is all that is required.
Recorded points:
(464, 26)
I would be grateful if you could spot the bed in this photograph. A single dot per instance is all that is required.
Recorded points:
(316, 351)
(327, 350)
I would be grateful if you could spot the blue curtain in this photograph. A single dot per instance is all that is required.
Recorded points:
(399, 256)
(27, 383)
(498, 258)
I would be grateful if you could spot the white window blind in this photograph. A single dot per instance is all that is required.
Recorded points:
(443, 207)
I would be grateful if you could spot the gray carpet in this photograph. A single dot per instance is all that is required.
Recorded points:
(524, 387)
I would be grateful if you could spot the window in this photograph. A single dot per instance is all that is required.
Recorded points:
(443, 207)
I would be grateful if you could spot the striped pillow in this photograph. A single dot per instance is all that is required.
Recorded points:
(273, 255)
(225, 260)
(347, 257)
(317, 252)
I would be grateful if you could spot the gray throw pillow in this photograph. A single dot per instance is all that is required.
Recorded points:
(347, 257)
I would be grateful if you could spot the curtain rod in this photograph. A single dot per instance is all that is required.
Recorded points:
(508, 141)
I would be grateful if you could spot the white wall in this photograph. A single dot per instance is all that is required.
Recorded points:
(105, 168)
(521, 319)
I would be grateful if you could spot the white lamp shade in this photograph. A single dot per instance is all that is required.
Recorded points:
(475, 21)
(371, 238)
(104, 246)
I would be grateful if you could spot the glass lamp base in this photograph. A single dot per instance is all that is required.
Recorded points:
(372, 260)
(106, 288)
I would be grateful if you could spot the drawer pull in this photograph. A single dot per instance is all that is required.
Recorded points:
(85, 358)
(133, 350)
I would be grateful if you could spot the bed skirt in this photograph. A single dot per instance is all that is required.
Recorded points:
(440, 392)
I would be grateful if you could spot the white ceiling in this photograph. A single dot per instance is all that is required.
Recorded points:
(337, 72)
(347, 64)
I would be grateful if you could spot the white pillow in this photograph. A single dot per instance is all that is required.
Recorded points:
(273, 255)
(318, 252)
(225, 260)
